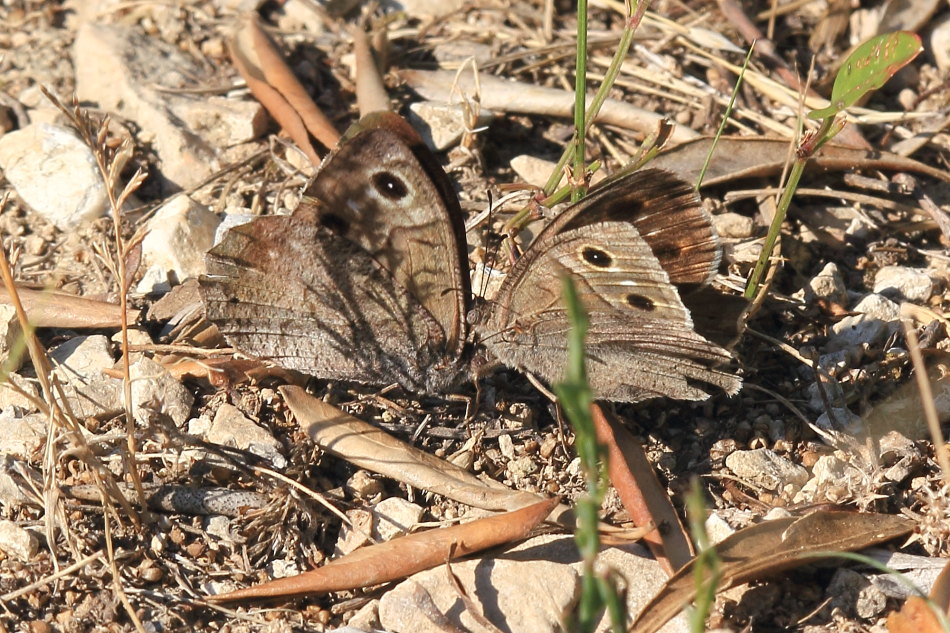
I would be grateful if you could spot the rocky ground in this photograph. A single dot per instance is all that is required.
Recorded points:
(829, 412)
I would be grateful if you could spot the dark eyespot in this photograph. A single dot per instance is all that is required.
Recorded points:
(233, 300)
(334, 222)
(596, 257)
(390, 185)
(640, 302)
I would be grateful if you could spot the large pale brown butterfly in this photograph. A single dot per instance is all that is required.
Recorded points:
(367, 281)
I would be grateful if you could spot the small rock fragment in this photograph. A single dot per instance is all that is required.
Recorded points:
(129, 73)
(18, 480)
(356, 533)
(219, 526)
(717, 528)
(363, 485)
(827, 285)
(876, 319)
(155, 390)
(54, 174)
(520, 593)
(21, 435)
(533, 170)
(443, 124)
(230, 427)
(174, 247)
(767, 469)
(733, 225)
(910, 284)
(841, 419)
(17, 542)
(80, 363)
(282, 568)
(940, 43)
(424, 8)
(394, 517)
(855, 594)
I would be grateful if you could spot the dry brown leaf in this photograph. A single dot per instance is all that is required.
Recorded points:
(51, 308)
(371, 93)
(368, 447)
(915, 616)
(641, 493)
(262, 66)
(402, 556)
(767, 548)
(747, 157)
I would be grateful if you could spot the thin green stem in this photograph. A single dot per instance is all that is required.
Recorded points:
(580, 100)
(775, 229)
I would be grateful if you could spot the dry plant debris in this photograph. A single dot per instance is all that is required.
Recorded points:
(227, 490)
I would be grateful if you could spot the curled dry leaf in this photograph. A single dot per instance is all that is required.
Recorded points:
(368, 447)
(50, 308)
(403, 556)
(371, 93)
(638, 488)
(919, 616)
(747, 157)
(262, 66)
(767, 548)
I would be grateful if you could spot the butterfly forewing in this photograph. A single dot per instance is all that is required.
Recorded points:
(384, 190)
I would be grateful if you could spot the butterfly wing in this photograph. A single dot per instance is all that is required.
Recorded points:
(640, 342)
(296, 293)
(385, 191)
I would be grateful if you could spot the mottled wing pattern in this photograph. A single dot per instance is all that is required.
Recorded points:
(293, 292)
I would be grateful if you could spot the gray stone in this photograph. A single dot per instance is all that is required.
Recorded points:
(733, 225)
(921, 571)
(443, 124)
(17, 542)
(910, 284)
(54, 174)
(21, 435)
(154, 390)
(424, 8)
(230, 427)
(855, 594)
(533, 170)
(122, 69)
(828, 285)
(524, 590)
(939, 45)
(766, 469)
(174, 247)
(394, 517)
(79, 365)
(877, 319)
(18, 483)
(220, 526)
(717, 529)
(841, 420)
(833, 481)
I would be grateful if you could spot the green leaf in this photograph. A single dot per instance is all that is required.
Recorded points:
(868, 68)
